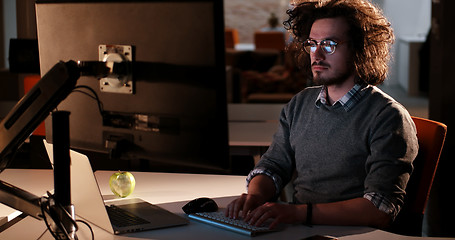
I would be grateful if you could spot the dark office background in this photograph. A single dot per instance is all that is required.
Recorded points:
(441, 84)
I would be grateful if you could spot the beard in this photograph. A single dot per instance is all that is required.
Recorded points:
(336, 79)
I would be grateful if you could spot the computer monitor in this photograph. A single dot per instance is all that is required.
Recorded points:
(173, 114)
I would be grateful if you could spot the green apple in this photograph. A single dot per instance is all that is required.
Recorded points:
(122, 183)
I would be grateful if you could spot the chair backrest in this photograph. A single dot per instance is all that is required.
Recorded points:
(270, 40)
(431, 136)
(231, 37)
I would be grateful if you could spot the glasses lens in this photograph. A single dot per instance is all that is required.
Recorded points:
(310, 46)
(328, 46)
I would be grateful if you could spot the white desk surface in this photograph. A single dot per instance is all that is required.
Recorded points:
(172, 191)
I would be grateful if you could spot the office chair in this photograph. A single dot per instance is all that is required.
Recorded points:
(431, 136)
(270, 40)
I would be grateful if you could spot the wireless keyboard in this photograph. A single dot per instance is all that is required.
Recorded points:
(218, 219)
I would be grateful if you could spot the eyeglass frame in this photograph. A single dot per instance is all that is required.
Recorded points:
(319, 44)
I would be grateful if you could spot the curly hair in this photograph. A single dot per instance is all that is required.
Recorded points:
(371, 34)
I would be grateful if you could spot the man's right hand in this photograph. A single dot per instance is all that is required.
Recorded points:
(243, 205)
(260, 190)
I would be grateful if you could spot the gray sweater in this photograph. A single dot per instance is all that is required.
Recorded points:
(340, 154)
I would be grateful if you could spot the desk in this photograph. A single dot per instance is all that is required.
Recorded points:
(172, 191)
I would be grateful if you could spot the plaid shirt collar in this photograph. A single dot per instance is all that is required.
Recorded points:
(348, 101)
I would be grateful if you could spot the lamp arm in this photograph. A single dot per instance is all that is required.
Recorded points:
(20, 199)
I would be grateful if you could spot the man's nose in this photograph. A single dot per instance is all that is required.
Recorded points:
(319, 54)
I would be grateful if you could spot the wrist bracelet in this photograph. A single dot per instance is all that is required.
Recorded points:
(309, 213)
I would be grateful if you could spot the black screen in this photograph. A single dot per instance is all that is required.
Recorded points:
(175, 118)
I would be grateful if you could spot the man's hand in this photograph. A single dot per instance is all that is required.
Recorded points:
(280, 213)
(261, 190)
(244, 204)
(255, 212)
(357, 211)
(255, 207)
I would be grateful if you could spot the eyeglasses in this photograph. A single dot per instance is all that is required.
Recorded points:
(327, 45)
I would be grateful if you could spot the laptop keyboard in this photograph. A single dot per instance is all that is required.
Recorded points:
(122, 218)
(236, 225)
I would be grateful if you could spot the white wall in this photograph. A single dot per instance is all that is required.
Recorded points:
(411, 20)
(409, 17)
(248, 16)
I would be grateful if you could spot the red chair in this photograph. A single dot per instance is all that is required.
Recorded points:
(270, 40)
(231, 37)
(431, 136)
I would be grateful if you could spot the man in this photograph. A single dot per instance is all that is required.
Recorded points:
(346, 146)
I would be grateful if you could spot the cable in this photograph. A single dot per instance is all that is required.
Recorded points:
(89, 227)
(45, 207)
(94, 96)
(45, 203)
(48, 205)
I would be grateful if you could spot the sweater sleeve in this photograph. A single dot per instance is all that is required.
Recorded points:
(393, 146)
(279, 159)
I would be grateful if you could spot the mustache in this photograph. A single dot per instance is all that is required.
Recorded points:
(320, 64)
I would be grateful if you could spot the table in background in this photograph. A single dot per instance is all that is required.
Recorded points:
(254, 112)
(251, 128)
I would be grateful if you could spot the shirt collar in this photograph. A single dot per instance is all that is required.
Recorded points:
(348, 101)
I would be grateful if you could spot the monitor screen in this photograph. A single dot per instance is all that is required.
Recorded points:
(171, 113)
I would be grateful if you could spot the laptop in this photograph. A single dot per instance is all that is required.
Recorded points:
(89, 204)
